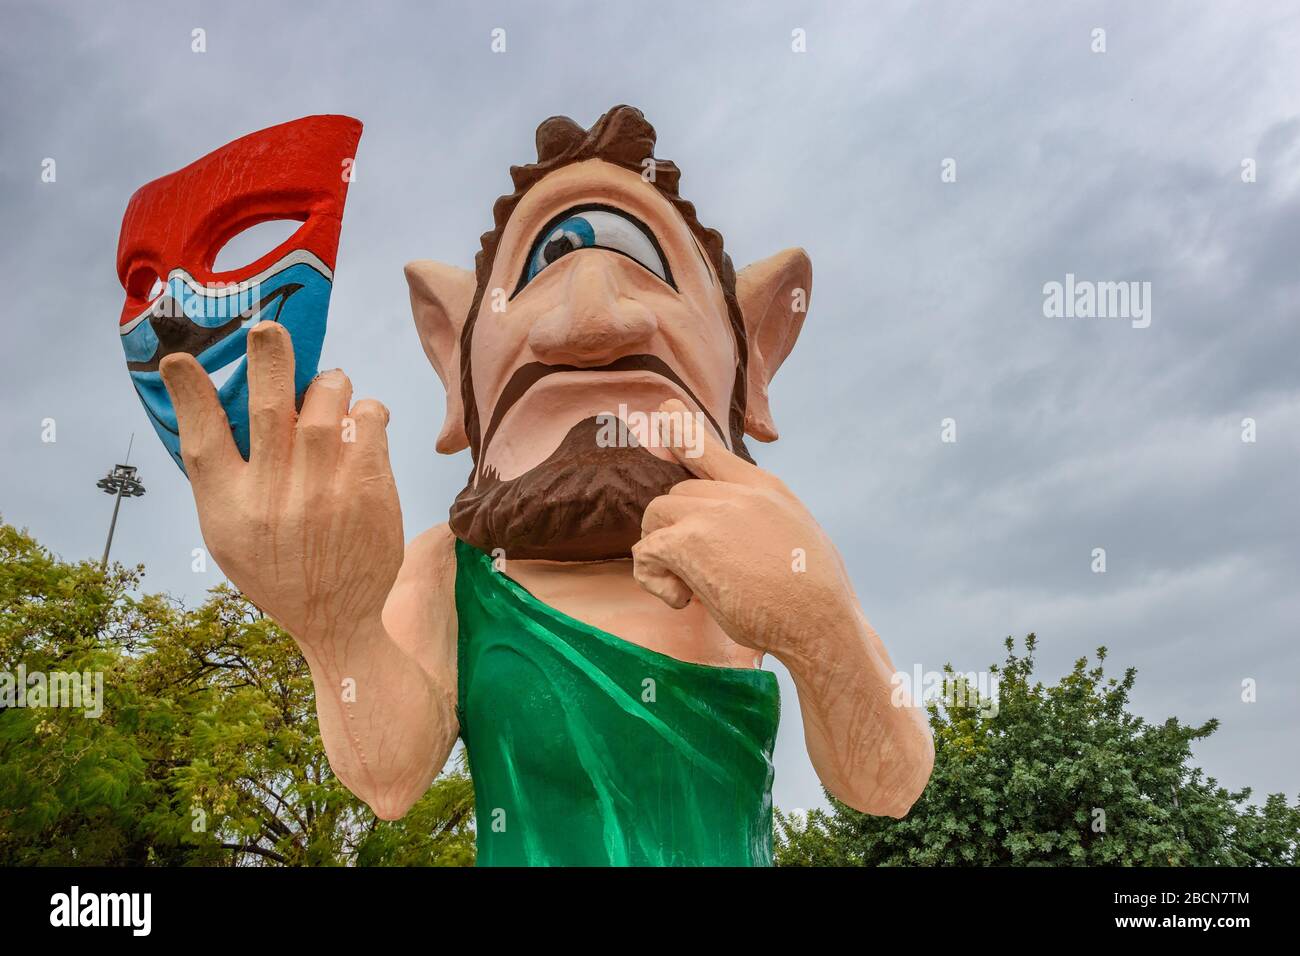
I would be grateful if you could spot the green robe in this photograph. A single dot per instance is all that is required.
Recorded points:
(588, 750)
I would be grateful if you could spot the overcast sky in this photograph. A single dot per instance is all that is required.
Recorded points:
(1072, 433)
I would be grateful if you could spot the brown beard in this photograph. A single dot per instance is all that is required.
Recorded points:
(583, 503)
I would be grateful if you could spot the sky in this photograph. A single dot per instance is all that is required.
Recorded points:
(1171, 157)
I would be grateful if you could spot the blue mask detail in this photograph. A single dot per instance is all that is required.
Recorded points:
(296, 296)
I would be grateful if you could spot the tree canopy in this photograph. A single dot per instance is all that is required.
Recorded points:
(1053, 775)
(207, 750)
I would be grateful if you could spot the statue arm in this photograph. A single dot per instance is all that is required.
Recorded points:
(739, 541)
(870, 745)
(309, 528)
(386, 690)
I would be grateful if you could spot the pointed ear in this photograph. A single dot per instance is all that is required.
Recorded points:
(440, 299)
(773, 296)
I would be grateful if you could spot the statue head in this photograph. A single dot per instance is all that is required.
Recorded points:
(596, 296)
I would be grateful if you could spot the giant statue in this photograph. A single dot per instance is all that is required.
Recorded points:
(592, 619)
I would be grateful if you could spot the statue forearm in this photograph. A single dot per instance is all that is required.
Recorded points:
(386, 724)
(871, 753)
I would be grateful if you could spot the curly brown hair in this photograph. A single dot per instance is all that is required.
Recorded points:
(623, 137)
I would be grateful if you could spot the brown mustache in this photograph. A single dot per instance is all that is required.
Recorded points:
(526, 376)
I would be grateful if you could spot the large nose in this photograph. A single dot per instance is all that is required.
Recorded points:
(595, 323)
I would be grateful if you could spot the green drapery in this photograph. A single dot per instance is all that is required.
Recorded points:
(587, 749)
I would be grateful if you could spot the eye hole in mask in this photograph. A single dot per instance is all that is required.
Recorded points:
(248, 245)
(144, 284)
(596, 227)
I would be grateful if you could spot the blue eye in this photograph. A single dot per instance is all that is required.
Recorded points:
(576, 232)
(595, 228)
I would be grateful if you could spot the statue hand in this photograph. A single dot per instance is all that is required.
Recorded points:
(310, 527)
(738, 540)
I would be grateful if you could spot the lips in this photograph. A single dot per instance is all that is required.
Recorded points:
(526, 376)
(209, 321)
(177, 333)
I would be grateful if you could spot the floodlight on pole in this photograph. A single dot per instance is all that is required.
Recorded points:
(121, 482)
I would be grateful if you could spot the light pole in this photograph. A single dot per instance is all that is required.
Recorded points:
(120, 482)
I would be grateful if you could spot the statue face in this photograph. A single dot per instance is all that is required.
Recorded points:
(174, 228)
(610, 308)
(598, 270)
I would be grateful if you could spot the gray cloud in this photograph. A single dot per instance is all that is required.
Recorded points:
(1072, 434)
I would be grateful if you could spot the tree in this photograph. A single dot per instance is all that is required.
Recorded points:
(207, 749)
(1056, 776)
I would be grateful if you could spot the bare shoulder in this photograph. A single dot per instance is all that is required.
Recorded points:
(433, 552)
(420, 613)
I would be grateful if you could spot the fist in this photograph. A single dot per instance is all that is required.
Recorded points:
(738, 540)
(309, 528)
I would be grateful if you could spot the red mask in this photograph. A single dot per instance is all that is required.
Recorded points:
(175, 226)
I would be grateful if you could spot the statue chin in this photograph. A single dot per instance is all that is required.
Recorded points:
(583, 503)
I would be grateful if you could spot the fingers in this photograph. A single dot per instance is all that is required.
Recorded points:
(703, 488)
(321, 429)
(656, 558)
(709, 458)
(651, 569)
(270, 392)
(207, 447)
(666, 510)
(366, 457)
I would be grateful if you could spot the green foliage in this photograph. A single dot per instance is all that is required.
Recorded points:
(1054, 776)
(207, 751)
